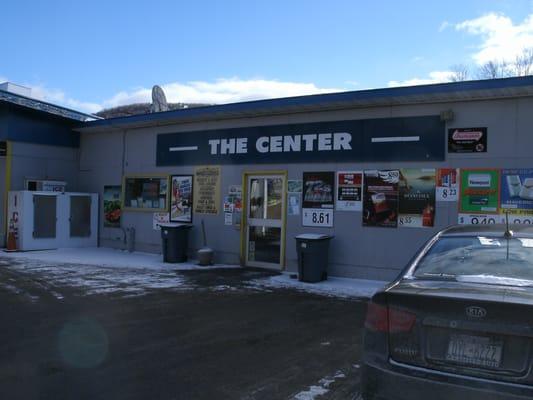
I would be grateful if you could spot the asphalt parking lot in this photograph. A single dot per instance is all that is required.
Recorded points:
(80, 332)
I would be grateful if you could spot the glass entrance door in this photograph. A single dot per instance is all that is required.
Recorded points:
(265, 216)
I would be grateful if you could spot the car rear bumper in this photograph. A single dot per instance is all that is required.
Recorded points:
(401, 382)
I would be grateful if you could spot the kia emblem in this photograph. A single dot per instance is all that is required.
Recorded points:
(476, 312)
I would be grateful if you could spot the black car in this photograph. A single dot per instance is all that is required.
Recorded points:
(458, 322)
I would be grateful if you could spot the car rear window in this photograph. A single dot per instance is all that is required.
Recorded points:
(479, 259)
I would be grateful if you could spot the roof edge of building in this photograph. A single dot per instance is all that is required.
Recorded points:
(432, 93)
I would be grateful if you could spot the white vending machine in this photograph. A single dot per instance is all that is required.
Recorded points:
(50, 220)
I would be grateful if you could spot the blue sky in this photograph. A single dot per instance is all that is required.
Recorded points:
(95, 54)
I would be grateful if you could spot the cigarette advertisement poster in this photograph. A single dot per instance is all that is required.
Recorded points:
(516, 191)
(380, 198)
(416, 208)
(447, 184)
(181, 198)
(467, 140)
(318, 201)
(206, 190)
(112, 206)
(480, 191)
(349, 190)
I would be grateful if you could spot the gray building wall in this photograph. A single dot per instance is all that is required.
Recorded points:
(36, 161)
(356, 251)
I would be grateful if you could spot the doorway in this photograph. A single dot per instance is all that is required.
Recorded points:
(263, 230)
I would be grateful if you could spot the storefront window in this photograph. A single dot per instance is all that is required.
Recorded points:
(145, 193)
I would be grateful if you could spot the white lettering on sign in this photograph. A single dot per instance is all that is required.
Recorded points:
(284, 144)
(262, 144)
(227, 146)
(341, 141)
(324, 141)
(213, 143)
(242, 145)
(309, 139)
(292, 143)
(276, 144)
(479, 180)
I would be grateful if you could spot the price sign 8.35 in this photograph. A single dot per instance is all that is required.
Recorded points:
(317, 217)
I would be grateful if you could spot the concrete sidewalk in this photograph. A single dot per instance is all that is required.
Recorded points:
(112, 258)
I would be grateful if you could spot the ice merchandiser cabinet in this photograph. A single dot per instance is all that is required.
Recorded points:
(51, 220)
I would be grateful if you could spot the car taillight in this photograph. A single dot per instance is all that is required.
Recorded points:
(400, 321)
(377, 318)
(380, 318)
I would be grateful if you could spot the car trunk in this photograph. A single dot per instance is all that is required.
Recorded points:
(471, 329)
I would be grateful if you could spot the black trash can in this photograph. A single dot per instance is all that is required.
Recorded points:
(313, 253)
(175, 242)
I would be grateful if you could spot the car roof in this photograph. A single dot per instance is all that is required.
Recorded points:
(519, 230)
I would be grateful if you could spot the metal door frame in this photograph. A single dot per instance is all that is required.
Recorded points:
(244, 219)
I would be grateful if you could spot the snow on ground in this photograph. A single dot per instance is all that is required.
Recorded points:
(105, 270)
(106, 257)
(333, 286)
(318, 390)
(91, 280)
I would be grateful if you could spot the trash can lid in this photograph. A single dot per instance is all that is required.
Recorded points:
(314, 236)
(174, 225)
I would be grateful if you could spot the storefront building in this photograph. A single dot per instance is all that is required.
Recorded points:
(380, 170)
(38, 147)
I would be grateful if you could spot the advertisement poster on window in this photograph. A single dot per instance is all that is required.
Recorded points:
(294, 203)
(294, 186)
(233, 205)
(112, 206)
(349, 191)
(447, 184)
(517, 191)
(159, 218)
(181, 198)
(318, 202)
(479, 191)
(467, 140)
(416, 206)
(380, 198)
(206, 191)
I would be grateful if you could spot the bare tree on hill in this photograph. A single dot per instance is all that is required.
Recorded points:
(460, 73)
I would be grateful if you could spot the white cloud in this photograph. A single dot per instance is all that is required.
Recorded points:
(433, 77)
(352, 83)
(220, 91)
(443, 26)
(57, 96)
(502, 40)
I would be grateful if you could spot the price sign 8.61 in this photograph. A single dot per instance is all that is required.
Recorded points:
(317, 217)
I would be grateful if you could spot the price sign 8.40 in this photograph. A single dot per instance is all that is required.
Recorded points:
(317, 217)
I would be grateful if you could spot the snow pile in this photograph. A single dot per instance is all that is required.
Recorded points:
(333, 287)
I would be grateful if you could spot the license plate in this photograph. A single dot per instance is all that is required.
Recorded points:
(475, 351)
